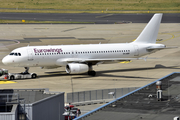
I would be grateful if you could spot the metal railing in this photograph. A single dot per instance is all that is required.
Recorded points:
(9, 97)
(97, 94)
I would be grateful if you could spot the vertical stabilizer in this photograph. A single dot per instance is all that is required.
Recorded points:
(150, 32)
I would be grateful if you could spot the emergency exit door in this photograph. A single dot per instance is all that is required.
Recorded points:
(30, 54)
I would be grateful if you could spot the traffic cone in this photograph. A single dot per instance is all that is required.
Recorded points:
(6, 77)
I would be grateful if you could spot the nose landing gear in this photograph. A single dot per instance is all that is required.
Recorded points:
(26, 70)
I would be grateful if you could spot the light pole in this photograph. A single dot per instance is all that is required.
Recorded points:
(112, 93)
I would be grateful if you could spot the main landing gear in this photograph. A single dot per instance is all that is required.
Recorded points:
(91, 72)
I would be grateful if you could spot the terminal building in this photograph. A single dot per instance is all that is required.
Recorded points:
(31, 104)
(159, 100)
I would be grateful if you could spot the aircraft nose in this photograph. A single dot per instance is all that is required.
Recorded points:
(6, 60)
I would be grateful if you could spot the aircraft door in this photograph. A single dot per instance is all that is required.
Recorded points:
(74, 54)
(136, 52)
(30, 54)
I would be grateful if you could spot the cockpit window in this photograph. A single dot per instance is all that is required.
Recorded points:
(16, 54)
(11, 54)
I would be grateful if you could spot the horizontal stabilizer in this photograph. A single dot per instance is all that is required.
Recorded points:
(160, 48)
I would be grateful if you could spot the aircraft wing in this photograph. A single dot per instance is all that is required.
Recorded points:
(99, 61)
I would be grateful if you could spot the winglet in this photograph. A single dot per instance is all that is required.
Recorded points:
(150, 32)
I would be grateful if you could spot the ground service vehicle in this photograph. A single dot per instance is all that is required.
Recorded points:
(13, 76)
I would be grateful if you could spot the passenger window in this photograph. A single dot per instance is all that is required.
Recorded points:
(19, 54)
(15, 54)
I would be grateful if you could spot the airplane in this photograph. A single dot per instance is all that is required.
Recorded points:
(79, 59)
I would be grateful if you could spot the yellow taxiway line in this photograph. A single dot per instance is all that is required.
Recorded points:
(6, 82)
(126, 61)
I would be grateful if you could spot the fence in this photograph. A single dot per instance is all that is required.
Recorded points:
(97, 94)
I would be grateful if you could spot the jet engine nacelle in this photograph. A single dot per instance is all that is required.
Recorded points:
(76, 68)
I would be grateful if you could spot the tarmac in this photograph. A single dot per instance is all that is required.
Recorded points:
(117, 75)
(97, 18)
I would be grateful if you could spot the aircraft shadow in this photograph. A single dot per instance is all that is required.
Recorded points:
(140, 69)
(60, 73)
(103, 73)
(77, 76)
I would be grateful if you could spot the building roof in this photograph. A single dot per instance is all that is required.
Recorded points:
(25, 96)
(143, 103)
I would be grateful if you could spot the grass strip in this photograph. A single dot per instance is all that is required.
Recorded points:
(89, 11)
(90, 6)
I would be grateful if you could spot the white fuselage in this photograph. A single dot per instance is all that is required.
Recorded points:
(56, 56)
